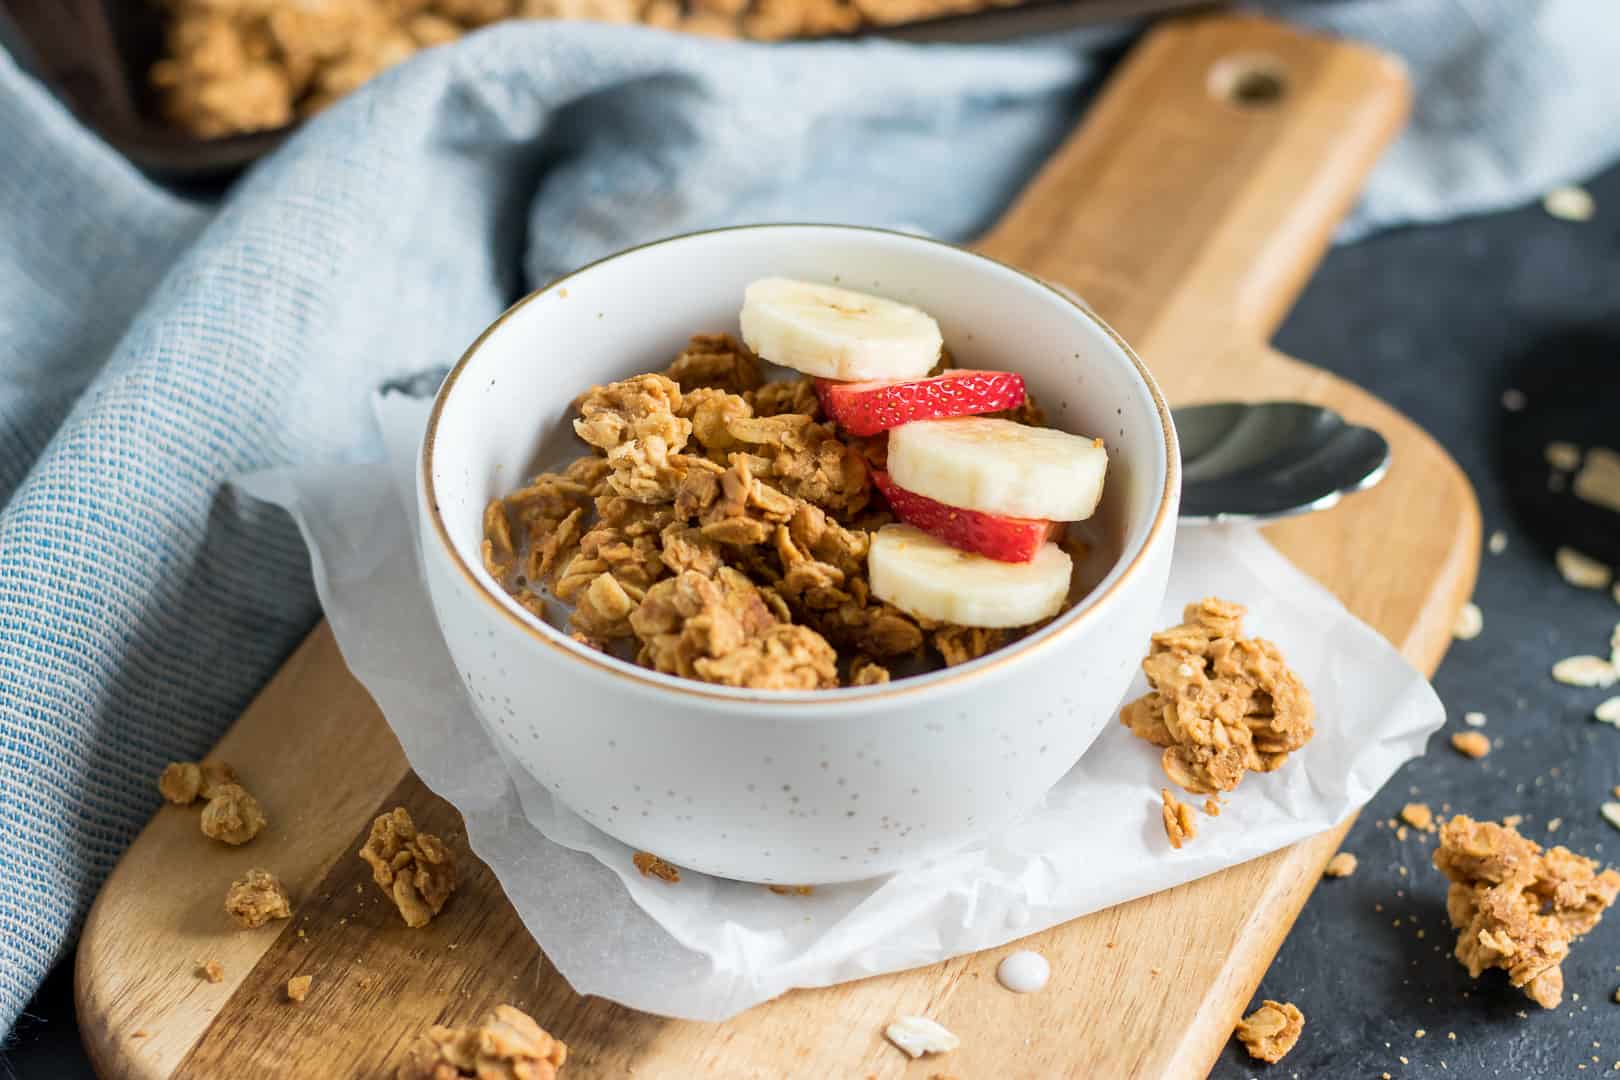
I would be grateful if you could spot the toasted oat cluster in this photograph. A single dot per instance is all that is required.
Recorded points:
(1271, 1031)
(1221, 704)
(505, 1045)
(233, 66)
(718, 531)
(256, 898)
(1516, 906)
(414, 868)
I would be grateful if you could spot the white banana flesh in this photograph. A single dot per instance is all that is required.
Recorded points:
(835, 333)
(999, 467)
(930, 579)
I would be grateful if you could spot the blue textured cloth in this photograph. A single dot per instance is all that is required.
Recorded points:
(152, 347)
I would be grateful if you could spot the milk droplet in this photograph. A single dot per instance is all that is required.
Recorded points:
(1023, 972)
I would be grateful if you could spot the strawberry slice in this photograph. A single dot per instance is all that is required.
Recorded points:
(1005, 539)
(866, 408)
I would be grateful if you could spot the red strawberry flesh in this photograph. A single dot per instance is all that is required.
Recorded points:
(1005, 539)
(866, 408)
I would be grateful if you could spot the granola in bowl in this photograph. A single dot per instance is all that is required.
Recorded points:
(806, 532)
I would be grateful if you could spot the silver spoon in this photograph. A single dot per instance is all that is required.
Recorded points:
(1258, 461)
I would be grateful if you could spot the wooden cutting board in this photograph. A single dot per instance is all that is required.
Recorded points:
(1189, 208)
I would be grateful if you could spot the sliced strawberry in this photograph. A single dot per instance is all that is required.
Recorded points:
(1005, 539)
(866, 408)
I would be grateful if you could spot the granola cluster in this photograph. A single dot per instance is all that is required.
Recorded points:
(505, 1045)
(256, 898)
(1221, 704)
(230, 815)
(234, 66)
(719, 531)
(1271, 1031)
(414, 868)
(1516, 906)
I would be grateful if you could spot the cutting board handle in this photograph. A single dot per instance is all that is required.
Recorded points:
(1206, 180)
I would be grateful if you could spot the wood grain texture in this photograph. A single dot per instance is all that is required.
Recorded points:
(1190, 222)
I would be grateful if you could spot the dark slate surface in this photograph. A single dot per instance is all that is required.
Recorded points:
(1438, 321)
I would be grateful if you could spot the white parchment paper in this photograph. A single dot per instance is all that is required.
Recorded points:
(708, 948)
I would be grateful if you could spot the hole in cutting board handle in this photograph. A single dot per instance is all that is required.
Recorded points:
(1249, 80)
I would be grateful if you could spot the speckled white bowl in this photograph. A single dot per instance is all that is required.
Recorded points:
(792, 787)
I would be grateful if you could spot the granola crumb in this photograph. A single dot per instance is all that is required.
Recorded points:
(256, 898)
(181, 782)
(232, 816)
(1474, 719)
(210, 970)
(1569, 202)
(783, 890)
(1240, 708)
(1497, 543)
(1271, 1031)
(505, 1043)
(1470, 743)
(1585, 671)
(1400, 833)
(1179, 823)
(298, 987)
(1212, 806)
(1343, 864)
(1554, 824)
(1562, 455)
(1517, 906)
(1469, 622)
(414, 869)
(1513, 821)
(1581, 570)
(651, 865)
(140, 1033)
(1418, 815)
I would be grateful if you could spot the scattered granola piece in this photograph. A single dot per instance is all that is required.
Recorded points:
(232, 816)
(256, 898)
(1569, 203)
(651, 865)
(918, 1035)
(1400, 833)
(1212, 806)
(1514, 400)
(1563, 455)
(298, 987)
(1513, 821)
(505, 1045)
(1343, 864)
(1582, 571)
(1555, 824)
(1611, 813)
(1474, 719)
(1497, 543)
(181, 782)
(1598, 482)
(210, 970)
(1220, 704)
(1585, 671)
(786, 890)
(1516, 906)
(216, 776)
(1472, 743)
(1179, 824)
(1469, 622)
(1418, 815)
(414, 868)
(1271, 1031)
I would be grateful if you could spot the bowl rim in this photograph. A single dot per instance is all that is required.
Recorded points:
(840, 696)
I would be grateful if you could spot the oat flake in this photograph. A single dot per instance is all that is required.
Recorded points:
(1497, 543)
(918, 1035)
(1580, 570)
(1569, 203)
(1474, 719)
(1585, 671)
(1563, 455)
(1608, 712)
(1470, 621)
(1611, 814)
(1598, 482)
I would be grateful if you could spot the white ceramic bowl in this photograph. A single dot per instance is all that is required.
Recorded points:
(791, 787)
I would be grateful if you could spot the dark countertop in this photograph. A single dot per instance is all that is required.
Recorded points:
(1438, 321)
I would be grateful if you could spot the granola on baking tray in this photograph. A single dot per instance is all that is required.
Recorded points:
(720, 529)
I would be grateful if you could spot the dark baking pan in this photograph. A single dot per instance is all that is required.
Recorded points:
(95, 55)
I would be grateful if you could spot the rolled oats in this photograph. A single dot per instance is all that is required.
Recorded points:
(1585, 671)
(1563, 455)
(1469, 622)
(1569, 203)
(415, 869)
(1581, 570)
(1598, 482)
(1179, 823)
(918, 1035)
(1220, 704)
(1608, 711)
(1516, 906)
(1271, 1031)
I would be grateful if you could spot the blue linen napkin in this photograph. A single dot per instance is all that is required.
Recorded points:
(152, 347)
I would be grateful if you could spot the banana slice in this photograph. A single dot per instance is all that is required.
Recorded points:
(930, 579)
(1000, 467)
(834, 333)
